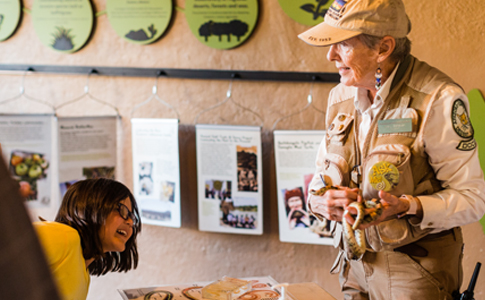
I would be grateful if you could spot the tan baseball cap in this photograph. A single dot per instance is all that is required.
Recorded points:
(348, 18)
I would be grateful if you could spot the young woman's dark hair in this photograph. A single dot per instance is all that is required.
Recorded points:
(85, 207)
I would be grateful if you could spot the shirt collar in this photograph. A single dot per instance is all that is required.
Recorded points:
(361, 101)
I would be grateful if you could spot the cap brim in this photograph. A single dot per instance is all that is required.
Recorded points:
(326, 35)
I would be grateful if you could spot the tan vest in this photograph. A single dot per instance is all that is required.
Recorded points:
(415, 86)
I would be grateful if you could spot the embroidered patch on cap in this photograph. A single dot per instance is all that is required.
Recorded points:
(462, 126)
(337, 9)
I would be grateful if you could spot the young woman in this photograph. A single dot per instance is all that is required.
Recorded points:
(94, 233)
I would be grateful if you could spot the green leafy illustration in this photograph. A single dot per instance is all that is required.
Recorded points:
(62, 39)
(234, 27)
(316, 11)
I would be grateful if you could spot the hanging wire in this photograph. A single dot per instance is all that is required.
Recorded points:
(25, 95)
(88, 94)
(155, 95)
(309, 104)
(229, 98)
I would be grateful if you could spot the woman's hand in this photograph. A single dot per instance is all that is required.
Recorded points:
(331, 205)
(391, 207)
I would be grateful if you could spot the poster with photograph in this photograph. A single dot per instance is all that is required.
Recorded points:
(156, 170)
(87, 149)
(295, 154)
(229, 178)
(26, 143)
(261, 289)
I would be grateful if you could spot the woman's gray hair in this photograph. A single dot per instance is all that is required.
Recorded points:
(403, 45)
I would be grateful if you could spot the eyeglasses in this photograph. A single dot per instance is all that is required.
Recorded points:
(125, 213)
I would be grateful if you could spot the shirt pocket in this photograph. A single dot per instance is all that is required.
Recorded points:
(400, 156)
(335, 170)
(339, 129)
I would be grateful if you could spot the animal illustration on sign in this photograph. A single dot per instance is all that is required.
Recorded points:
(140, 35)
(234, 27)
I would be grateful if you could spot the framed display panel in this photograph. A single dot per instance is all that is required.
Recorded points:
(222, 24)
(10, 15)
(139, 22)
(63, 26)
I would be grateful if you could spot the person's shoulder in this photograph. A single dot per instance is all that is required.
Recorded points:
(341, 93)
(428, 79)
(55, 230)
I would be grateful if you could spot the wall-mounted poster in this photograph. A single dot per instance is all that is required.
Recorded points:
(64, 26)
(87, 149)
(222, 24)
(10, 15)
(229, 178)
(27, 148)
(156, 170)
(295, 154)
(307, 12)
(139, 22)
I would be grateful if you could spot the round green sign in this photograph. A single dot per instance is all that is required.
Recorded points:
(306, 12)
(63, 25)
(222, 24)
(139, 22)
(10, 13)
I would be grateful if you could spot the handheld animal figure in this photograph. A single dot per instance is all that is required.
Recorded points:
(354, 238)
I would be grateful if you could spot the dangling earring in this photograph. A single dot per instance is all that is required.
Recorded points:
(378, 77)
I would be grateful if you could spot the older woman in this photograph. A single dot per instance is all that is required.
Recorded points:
(398, 131)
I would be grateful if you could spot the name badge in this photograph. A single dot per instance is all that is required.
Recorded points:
(395, 126)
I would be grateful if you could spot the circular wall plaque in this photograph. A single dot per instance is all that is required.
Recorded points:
(63, 25)
(10, 13)
(306, 12)
(222, 24)
(139, 22)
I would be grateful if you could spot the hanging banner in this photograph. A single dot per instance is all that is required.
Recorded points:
(222, 24)
(229, 178)
(62, 25)
(139, 22)
(308, 12)
(295, 154)
(10, 15)
(87, 149)
(156, 170)
(27, 148)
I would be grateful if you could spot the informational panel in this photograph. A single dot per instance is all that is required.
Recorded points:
(139, 22)
(10, 14)
(64, 26)
(156, 170)
(229, 178)
(295, 154)
(477, 111)
(307, 12)
(27, 147)
(261, 290)
(87, 149)
(222, 24)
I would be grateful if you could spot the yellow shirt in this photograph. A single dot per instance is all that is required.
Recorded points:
(62, 247)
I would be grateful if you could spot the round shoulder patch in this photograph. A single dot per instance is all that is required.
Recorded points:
(461, 120)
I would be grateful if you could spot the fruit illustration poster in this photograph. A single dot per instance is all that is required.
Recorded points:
(27, 148)
(295, 154)
(156, 171)
(229, 178)
(87, 149)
